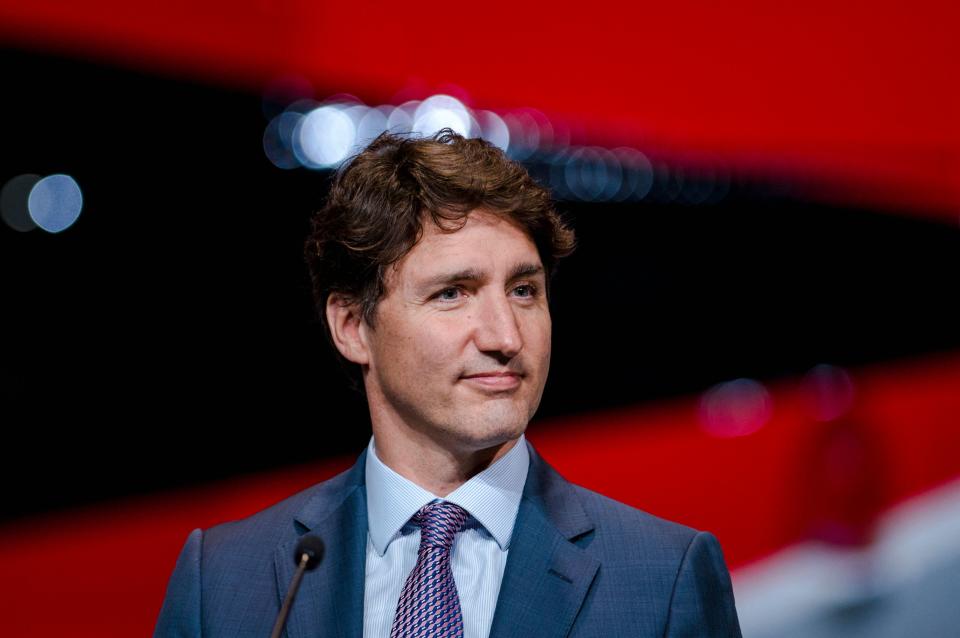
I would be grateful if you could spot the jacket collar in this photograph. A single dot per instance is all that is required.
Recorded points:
(547, 574)
(330, 601)
(544, 552)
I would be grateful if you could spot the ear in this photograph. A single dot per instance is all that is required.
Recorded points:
(344, 321)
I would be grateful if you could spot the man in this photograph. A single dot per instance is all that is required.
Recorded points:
(430, 264)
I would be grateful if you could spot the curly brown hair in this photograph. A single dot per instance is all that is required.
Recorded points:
(378, 202)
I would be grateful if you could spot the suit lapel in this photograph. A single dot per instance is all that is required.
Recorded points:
(546, 579)
(330, 601)
(547, 576)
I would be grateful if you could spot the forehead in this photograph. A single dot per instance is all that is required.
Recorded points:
(486, 241)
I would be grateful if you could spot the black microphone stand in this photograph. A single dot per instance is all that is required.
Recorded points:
(307, 556)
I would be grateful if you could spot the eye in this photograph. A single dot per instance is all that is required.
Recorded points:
(448, 294)
(525, 290)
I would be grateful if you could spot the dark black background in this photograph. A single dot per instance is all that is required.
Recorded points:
(168, 337)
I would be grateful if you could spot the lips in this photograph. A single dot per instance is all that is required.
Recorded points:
(495, 380)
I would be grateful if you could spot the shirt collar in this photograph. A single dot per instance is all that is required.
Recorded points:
(492, 497)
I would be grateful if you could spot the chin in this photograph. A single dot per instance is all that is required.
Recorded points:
(491, 429)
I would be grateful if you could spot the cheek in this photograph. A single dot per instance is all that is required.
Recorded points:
(440, 351)
(540, 336)
(428, 347)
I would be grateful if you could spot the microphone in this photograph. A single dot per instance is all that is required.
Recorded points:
(306, 556)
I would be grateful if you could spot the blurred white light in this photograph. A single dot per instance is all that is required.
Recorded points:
(13, 202)
(354, 111)
(436, 119)
(342, 102)
(544, 127)
(357, 113)
(303, 106)
(573, 180)
(614, 174)
(439, 112)
(287, 126)
(735, 408)
(326, 136)
(55, 202)
(278, 140)
(524, 135)
(373, 123)
(494, 129)
(410, 107)
(399, 121)
(593, 174)
(637, 174)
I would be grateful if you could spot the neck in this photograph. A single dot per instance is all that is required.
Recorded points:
(436, 467)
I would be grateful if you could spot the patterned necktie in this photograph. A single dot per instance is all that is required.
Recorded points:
(429, 605)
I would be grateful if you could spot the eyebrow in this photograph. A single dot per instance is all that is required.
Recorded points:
(523, 269)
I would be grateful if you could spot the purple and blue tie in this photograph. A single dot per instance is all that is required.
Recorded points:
(429, 604)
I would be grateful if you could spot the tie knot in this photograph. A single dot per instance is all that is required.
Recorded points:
(439, 523)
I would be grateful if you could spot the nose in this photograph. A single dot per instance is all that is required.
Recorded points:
(497, 330)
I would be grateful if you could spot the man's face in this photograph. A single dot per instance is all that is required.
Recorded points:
(461, 344)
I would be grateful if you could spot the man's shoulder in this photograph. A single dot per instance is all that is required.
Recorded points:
(626, 520)
(631, 533)
(674, 576)
(617, 529)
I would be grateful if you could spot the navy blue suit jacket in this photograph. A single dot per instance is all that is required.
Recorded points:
(579, 565)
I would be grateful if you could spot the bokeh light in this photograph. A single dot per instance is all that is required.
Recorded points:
(637, 174)
(278, 140)
(13, 202)
(493, 129)
(55, 202)
(323, 135)
(543, 128)
(372, 124)
(443, 111)
(593, 174)
(524, 135)
(735, 408)
(829, 392)
(400, 120)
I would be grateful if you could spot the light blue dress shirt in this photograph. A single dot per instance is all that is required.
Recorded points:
(479, 553)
